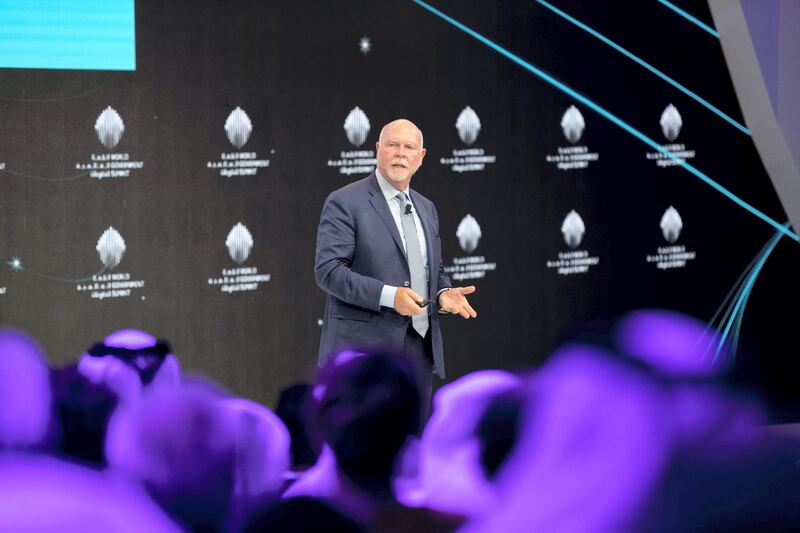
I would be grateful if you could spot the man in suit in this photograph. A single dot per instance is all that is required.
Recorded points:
(379, 259)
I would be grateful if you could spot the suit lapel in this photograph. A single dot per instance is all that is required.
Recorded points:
(378, 202)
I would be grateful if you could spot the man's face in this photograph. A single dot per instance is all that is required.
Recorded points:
(400, 153)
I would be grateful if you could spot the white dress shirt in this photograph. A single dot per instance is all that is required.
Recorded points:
(389, 192)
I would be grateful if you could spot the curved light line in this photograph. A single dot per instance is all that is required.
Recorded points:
(737, 329)
(610, 116)
(40, 178)
(729, 308)
(726, 306)
(733, 293)
(745, 294)
(646, 65)
(55, 278)
(691, 18)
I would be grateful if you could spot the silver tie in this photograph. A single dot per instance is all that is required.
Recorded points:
(419, 280)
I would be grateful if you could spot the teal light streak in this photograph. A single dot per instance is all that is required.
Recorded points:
(733, 294)
(691, 18)
(646, 65)
(611, 117)
(744, 295)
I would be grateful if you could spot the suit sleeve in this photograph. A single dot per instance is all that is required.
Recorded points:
(443, 281)
(336, 244)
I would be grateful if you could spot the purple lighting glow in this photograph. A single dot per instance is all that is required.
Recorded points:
(39, 494)
(671, 343)
(25, 394)
(451, 477)
(591, 449)
(133, 339)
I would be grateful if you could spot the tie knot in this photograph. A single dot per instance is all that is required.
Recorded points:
(402, 200)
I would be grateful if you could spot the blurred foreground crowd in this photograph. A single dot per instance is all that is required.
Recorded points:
(634, 433)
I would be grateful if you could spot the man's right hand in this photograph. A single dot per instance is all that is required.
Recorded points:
(405, 302)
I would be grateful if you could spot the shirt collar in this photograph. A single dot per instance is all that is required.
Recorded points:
(388, 190)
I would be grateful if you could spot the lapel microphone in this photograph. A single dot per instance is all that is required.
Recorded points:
(408, 209)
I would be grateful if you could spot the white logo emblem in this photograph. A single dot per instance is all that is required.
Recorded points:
(109, 127)
(671, 122)
(671, 225)
(468, 125)
(356, 125)
(110, 248)
(573, 229)
(239, 243)
(468, 233)
(572, 123)
(238, 127)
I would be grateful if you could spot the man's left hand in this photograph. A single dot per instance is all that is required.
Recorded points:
(454, 301)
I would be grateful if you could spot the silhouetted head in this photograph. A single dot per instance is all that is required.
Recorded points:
(261, 456)
(137, 349)
(292, 408)
(181, 443)
(498, 429)
(82, 410)
(365, 407)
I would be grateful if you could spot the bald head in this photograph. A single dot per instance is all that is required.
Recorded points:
(402, 123)
(399, 152)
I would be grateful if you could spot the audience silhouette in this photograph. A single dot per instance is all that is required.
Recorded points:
(628, 429)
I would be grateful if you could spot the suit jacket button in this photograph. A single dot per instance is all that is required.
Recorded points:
(406, 284)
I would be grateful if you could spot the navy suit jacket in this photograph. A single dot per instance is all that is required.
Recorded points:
(358, 252)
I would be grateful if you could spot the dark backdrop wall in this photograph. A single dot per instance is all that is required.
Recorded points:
(183, 197)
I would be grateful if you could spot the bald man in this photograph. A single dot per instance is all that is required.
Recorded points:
(379, 259)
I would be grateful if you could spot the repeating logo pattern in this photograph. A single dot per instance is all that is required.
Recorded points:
(577, 156)
(469, 267)
(573, 124)
(238, 127)
(573, 229)
(673, 153)
(468, 125)
(673, 255)
(239, 243)
(671, 122)
(574, 261)
(110, 248)
(240, 278)
(109, 127)
(468, 233)
(671, 225)
(474, 158)
(356, 126)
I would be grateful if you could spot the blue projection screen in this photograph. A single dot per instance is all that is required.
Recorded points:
(68, 34)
